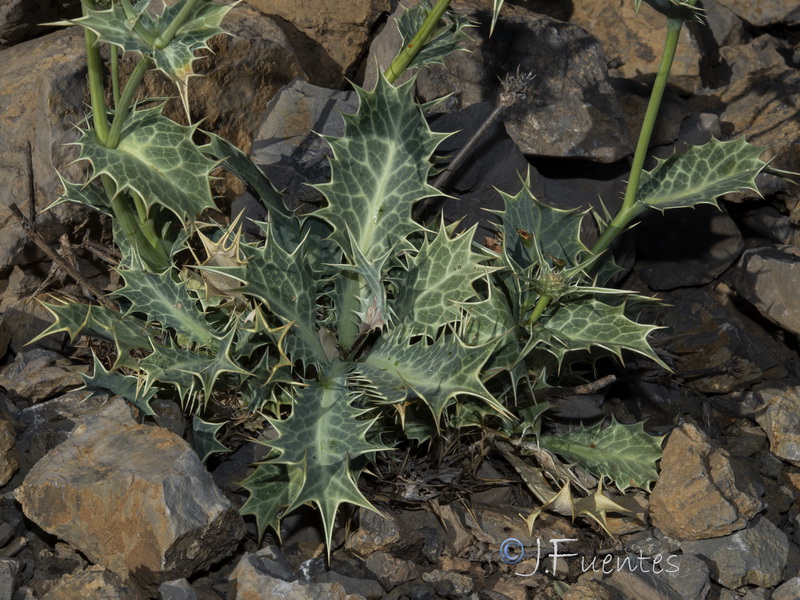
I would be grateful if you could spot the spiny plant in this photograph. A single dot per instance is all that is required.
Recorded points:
(354, 326)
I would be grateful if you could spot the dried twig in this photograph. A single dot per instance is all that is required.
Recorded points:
(69, 269)
(584, 388)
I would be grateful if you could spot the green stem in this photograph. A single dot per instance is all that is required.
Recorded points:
(125, 101)
(402, 60)
(539, 309)
(643, 145)
(173, 27)
(115, 75)
(96, 91)
(630, 209)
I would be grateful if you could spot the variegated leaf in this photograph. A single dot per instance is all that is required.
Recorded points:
(444, 40)
(624, 453)
(701, 175)
(156, 159)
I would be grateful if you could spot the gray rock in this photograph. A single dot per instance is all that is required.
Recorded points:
(638, 584)
(20, 19)
(263, 576)
(9, 457)
(691, 579)
(767, 222)
(779, 416)
(94, 582)
(725, 26)
(449, 585)
(133, 498)
(390, 571)
(371, 590)
(764, 52)
(756, 107)
(766, 277)
(42, 97)
(701, 492)
(765, 13)
(287, 144)
(571, 109)
(10, 577)
(177, 589)
(753, 556)
(25, 320)
(50, 423)
(685, 248)
(717, 349)
(788, 590)
(38, 374)
(375, 533)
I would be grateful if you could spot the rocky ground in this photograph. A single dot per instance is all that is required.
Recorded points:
(124, 510)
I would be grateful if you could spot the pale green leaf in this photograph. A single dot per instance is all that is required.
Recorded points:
(157, 159)
(167, 302)
(126, 386)
(624, 453)
(701, 175)
(271, 487)
(436, 373)
(438, 282)
(204, 438)
(323, 435)
(584, 323)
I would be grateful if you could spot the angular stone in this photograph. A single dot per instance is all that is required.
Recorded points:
(94, 582)
(719, 347)
(756, 106)
(638, 584)
(10, 576)
(449, 585)
(9, 457)
(133, 498)
(390, 571)
(375, 533)
(330, 36)
(587, 589)
(761, 53)
(262, 576)
(752, 556)
(177, 589)
(633, 42)
(768, 278)
(788, 590)
(38, 374)
(701, 492)
(42, 97)
(21, 20)
(765, 13)
(779, 416)
(571, 109)
(691, 577)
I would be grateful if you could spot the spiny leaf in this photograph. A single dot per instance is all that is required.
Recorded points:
(83, 193)
(379, 170)
(126, 333)
(443, 41)
(701, 175)
(286, 228)
(139, 32)
(396, 370)
(167, 302)
(157, 159)
(438, 282)
(532, 229)
(185, 369)
(271, 487)
(323, 435)
(498, 4)
(127, 386)
(204, 438)
(287, 285)
(584, 323)
(624, 453)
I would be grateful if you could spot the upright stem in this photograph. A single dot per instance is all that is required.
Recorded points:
(173, 27)
(630, 209)
(96, 90)
(402, 60)
(126, 100)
